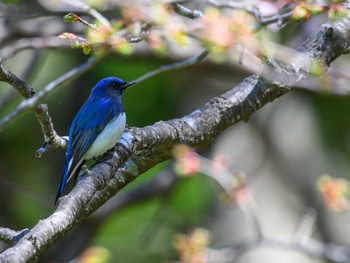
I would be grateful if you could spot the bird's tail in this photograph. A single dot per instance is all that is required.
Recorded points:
(64, 178)
(71, 167)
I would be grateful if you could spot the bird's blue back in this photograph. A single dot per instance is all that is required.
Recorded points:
(90, 121)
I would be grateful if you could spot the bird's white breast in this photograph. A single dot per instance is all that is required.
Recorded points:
(107, 138)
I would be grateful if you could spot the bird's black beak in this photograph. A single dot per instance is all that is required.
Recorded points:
(128, 84)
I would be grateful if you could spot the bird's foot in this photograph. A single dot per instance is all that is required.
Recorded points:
(85, 169)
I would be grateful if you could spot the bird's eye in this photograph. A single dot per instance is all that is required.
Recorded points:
(114, 84)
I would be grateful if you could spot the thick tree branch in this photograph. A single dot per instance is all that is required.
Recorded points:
(142, 148)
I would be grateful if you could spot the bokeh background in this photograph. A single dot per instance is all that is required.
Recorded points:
(282, 149)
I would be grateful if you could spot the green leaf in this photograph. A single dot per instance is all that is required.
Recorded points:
(71, 17)
(86, 50)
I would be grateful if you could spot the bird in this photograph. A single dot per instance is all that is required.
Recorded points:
(96, 128)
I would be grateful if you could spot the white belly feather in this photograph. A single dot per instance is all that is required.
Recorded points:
(107, 138)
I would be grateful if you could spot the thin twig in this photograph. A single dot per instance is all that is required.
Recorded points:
(228, 182)
(86, 23)
(18, 84)
(184, 11)
(10, 236)
(71, 17)
(93, 12)
(236, 5)
(178, 65)
(8, 96)
(280, 19)
(305, 227)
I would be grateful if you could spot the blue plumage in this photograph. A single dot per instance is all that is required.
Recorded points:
(96, 128)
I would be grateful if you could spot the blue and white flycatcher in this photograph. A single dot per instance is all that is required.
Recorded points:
(96, 128)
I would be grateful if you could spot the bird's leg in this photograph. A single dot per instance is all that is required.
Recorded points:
(85, 171)
(82, 168)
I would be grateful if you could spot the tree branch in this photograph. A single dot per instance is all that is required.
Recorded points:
(184, 11)
(280, 18)
(18, 84)
(93, 12)
(178, 65)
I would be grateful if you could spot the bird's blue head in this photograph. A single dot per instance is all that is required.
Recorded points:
(111, 86)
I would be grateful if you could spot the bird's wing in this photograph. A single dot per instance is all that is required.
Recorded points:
(90, 121)
(88, 124)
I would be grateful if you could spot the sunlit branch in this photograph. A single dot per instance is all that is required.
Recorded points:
(236, 5)
(280, 18)
(178, 65)
(186, 12)
(305, 227)
(93, 12)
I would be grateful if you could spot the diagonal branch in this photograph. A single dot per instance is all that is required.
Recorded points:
(178, 65)
(142, 148)
(93, 12)
(18, 84)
